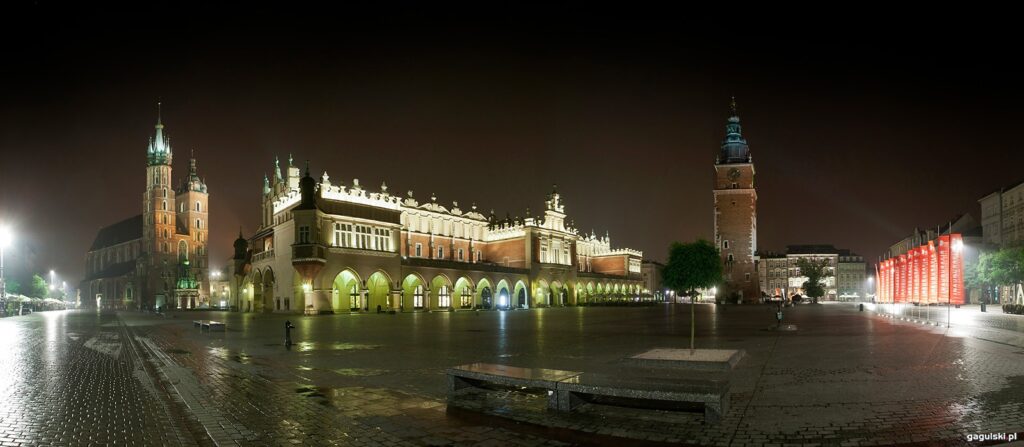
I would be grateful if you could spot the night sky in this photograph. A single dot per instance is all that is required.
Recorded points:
(858, 133)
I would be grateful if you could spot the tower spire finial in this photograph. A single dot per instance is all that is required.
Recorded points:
(159, 121)
(732, 105)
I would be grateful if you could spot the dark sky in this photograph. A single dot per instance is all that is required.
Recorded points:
(859, 132)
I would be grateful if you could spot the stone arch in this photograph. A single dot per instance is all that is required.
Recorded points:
(541, 293)
(346, 291)
(462, 293)
(503, 295)
(415, 293)
(485, 294)
(254, 291)
(520, 295)
(378, 291)
(268, 290)
(555, 294)
(441, 292)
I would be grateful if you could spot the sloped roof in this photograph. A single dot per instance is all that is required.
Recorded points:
(118, 233)
(113, 271)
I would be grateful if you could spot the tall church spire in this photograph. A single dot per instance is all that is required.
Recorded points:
(734, 147)
(159, 150)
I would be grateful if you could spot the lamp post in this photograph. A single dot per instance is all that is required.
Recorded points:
(5, 239)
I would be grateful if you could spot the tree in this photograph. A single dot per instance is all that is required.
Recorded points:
(13, 286)
(690, 267)
(816, 271)
(38, 288)
(1005, 267)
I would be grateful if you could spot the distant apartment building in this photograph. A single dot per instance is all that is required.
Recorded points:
(780, 276)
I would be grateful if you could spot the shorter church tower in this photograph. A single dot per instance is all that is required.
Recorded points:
(193, 227)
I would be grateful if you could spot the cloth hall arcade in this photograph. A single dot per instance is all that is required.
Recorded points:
(327, 247)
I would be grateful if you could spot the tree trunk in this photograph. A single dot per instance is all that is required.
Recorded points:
(693, 303)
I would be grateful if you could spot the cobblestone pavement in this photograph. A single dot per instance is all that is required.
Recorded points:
(842, 378)
(73, 378)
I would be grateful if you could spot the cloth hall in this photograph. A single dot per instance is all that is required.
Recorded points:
(324, 246)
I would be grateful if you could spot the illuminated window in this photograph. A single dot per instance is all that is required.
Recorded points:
(466, 299)
(417, 296)
(353, 298)
(444, 297)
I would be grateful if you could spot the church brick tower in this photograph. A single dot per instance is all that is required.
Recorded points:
(736, 212)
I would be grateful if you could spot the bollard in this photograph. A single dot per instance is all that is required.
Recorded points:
(288, 333)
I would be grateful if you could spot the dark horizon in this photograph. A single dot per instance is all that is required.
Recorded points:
(624, 114)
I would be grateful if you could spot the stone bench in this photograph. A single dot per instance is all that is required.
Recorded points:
(582, 389)
(475, 374)
(567, 390)
(209, 325)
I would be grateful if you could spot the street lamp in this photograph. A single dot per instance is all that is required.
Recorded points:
(6, 237)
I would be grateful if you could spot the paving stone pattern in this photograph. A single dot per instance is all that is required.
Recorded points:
(844, 378)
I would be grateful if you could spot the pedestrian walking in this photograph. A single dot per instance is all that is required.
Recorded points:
(288, 332)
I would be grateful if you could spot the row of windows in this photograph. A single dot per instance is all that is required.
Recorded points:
(440, 253)
(362, 236)
(558, 253)
(443, 227)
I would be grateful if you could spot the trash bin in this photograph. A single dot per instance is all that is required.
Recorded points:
(862, 307)
(983, 307)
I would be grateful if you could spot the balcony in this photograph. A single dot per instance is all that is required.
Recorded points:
(268, 254)
(309, 252)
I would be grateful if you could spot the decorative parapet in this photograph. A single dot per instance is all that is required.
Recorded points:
(502, 232)
(357, 194)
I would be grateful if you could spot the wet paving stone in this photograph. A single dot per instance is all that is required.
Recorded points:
(846, 378)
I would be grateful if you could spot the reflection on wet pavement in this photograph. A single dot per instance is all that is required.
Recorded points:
(844, 377)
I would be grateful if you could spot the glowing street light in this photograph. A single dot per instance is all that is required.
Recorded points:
(6, 238)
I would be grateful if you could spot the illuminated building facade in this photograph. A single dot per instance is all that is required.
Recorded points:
(736, 212)
(327, 247)
(157, 258)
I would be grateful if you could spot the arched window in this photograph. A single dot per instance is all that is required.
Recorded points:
(353, 298)
(725, 245)
(466, 298)
(198, 206)
(181, 207)
(163, 205)
(128, 293)
(199, 223)
(444, 297)
(417, 297)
